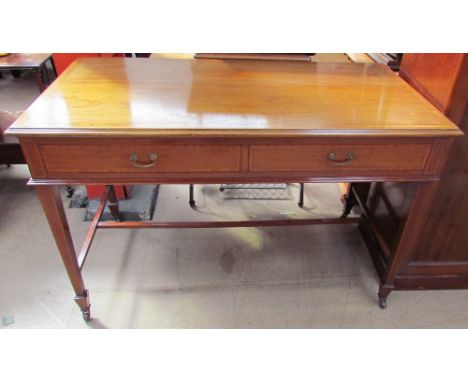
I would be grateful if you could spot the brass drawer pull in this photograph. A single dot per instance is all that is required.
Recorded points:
(152, 157)
(348, 159)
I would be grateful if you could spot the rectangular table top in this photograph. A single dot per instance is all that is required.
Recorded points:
(23, 60)
(154, 98)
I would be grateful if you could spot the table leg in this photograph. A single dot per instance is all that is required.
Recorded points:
(113, 204)
(191, 198)
(53, 209)
(301, 195)
(362, 189)
(54, 69)
(39, 79)
(46, 74)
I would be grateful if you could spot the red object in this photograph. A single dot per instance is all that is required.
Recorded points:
(121, 192)
(63, 61)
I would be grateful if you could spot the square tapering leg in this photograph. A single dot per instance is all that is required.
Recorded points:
(54, 211)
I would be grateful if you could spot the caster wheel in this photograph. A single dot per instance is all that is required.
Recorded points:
(221, 189)
(86, 315)
(192, 204)
(300, 204)
(382, 302)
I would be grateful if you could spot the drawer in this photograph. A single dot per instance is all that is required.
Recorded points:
(128, 158)
(338, 157)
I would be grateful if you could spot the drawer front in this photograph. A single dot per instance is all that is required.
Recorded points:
(338, 157)
(115, 158)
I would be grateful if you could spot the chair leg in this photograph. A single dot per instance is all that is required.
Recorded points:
(54, 69)
(350, 202)
(191, 199)
(301, 196)
(113, 204)
(70, 191)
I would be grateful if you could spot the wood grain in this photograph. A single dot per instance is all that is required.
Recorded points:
(314, 157)
(115, 158)
(151, 98)
(434, 75)
(240, 160)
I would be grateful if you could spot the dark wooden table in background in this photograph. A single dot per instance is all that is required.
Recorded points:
(36, 62)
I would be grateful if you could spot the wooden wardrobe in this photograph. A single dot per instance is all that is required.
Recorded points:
(440, 259)
(443, 80)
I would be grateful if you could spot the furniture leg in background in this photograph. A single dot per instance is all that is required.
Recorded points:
(113, 204)
(362, 189)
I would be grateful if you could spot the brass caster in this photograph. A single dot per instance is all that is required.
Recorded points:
(86, 315)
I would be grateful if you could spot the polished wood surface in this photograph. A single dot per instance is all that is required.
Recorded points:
(144, 97)
(23, 60)
(124, 121)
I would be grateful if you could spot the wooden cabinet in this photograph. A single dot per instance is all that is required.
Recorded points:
(440, 257)
(443, 80)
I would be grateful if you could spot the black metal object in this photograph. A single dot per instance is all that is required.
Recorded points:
(301, 196)
(70, 191)
(362, 189)
(223, 187)
(191, 199)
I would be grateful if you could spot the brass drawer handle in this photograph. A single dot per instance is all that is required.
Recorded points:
(152, 157)
(348, 159)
